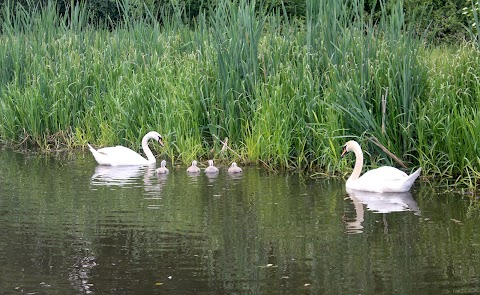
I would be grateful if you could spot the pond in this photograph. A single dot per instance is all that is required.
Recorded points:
(68, 226)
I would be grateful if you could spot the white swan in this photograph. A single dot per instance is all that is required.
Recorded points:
(193, 168)
(211, 168)
(385, 179)
(123, 156)
(234, 168)
(163, 169)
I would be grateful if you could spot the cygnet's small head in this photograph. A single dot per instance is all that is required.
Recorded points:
(194, 163)
(234, 164)
(210, 162)
(163, 163)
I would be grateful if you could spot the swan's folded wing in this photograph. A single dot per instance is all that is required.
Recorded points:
(385, 173)
(120, 155)
(115, 150)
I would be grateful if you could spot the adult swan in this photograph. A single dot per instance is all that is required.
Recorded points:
(123, 156)
(385, 179)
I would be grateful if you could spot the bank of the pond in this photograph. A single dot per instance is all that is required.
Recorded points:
(287, 94)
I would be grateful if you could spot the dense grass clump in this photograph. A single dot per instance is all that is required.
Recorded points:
(449, 117)
(287, 93)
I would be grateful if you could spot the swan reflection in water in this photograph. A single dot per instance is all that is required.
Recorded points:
(117, 175)
(128, 176)
(378, 203)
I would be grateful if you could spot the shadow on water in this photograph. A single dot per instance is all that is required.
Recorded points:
(68, 226)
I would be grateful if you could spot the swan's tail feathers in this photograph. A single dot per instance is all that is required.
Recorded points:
(411, 178)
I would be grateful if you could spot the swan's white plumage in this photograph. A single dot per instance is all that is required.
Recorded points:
(123, 156)
(211, 168)
(234, 168)
(193, 168)
(381, 180)
(163, 169)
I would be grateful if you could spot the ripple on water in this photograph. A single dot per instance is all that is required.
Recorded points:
(68, 228)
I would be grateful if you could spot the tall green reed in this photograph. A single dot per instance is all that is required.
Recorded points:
(36, 52)
(286, 92)
(376, 78)
(236, 30)
(448, 119)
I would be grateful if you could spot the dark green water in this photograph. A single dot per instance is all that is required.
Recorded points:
(67, 227)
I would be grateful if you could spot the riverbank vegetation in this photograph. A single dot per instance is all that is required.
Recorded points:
(287, 92)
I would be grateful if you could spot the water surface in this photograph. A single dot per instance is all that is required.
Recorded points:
(68, 226)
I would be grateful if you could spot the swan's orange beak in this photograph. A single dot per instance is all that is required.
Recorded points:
(160, 142)
(344, 151)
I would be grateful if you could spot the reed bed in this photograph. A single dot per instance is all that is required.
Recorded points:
(448, 119)
(287, 93)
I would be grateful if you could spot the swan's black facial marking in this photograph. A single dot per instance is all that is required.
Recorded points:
(160, 141)
(344, 151)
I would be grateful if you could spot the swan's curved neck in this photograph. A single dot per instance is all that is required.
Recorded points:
(146, 149)
(357, 169)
